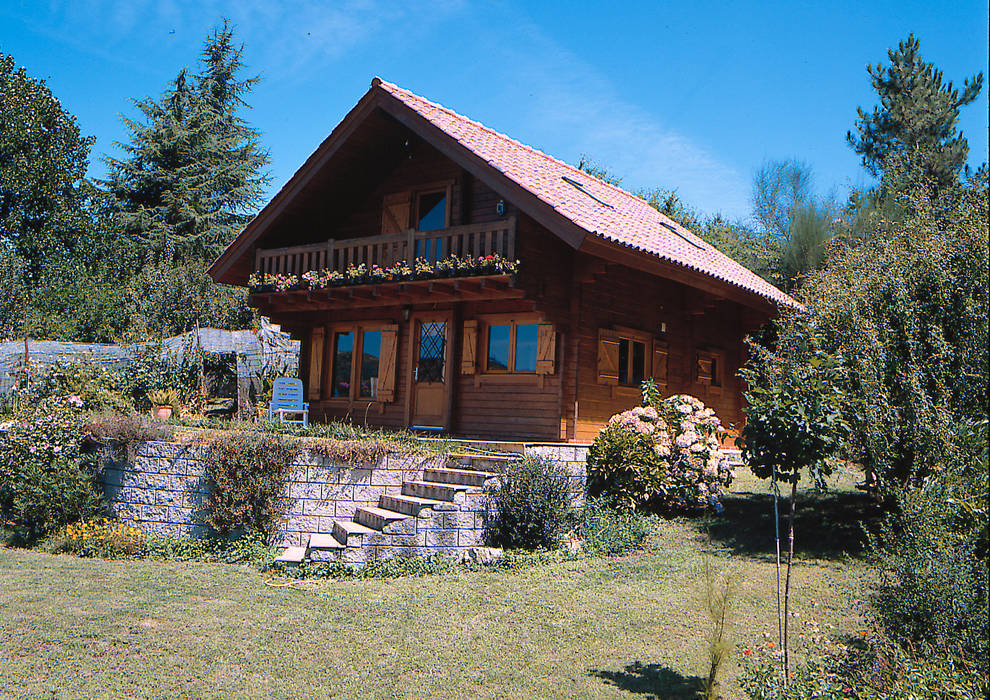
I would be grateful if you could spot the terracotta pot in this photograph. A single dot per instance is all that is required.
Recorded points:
(162, 412)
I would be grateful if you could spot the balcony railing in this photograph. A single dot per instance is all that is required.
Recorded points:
(471, 240)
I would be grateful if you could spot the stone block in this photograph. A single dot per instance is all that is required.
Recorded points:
(355, 476)
(305, 491)
(412, 540)
(169, 498)
(126, 511)
(355, 555)
(470, 538)
(321, 507)
(406, 526)
(318, 555)
(322, 474)
(136, 495)
(345, 509)
(157, 481)
(458, 519)
(337, 492)
(440, 538)
(387, 477)
(429, 519)
(155, 514)
(182, 516)
(303, 523)
(368, 494)
(374, 539)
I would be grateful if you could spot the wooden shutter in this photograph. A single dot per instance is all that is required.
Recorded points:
(395, 213)
(387, 363)
(703, 367)
(608, 357)
(660, 355)
(546, 349)
(469, 348)
(315, 362)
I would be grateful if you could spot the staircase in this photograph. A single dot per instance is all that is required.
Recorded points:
(442, 511)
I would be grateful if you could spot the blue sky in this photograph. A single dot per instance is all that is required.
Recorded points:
(686, 96)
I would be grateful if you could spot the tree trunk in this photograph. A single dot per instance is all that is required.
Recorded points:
(776, 534)
(787, 582)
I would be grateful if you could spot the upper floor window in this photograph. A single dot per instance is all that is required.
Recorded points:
(431, 210)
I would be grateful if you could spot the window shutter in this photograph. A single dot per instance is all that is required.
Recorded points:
(315, 362)
(387, 363)
(660, 354)
(608, 357)
(703, 368)
(546, 349)
(469, 348)
(395, 213)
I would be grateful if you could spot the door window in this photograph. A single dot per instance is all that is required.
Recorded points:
(432, 351)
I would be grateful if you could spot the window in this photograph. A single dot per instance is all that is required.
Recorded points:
(360, 362)
(511, 347)
(371, 353)
(431, 210)
(343, 348)
(632, 362)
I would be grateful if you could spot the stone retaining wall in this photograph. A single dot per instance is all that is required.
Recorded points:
(162, 488)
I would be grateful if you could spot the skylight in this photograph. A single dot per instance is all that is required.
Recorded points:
(674, 229)
(577, 185)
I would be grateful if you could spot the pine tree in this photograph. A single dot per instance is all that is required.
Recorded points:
(918, 113)
(193, 168)
(192, 174)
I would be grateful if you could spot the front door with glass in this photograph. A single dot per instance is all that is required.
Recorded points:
(430, 381)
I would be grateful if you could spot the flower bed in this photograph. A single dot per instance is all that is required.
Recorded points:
(422, 269)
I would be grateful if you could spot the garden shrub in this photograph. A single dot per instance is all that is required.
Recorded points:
(46, 480)
(874, 670)
(528, 507)
(931, 556)
(246, 473)
(250, 549)
(607, 531)
(100, 387)
(663, 457)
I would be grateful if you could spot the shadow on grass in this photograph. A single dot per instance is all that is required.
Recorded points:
(826, 526)
(652, 680)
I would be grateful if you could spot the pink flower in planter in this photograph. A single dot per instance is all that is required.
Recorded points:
(75, 400)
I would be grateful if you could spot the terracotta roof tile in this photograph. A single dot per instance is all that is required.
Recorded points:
(598, 207)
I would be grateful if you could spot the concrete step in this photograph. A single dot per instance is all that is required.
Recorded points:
(377, 518)
(324, 541)
(466, 477)
(410, 505)
(291, 555)
(350, 532)
(434, 490)
(480, 462)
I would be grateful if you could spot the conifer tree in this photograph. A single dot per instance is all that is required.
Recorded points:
(918, 113)
(192, 175)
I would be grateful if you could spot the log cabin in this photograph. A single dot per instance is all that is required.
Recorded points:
(445, 277)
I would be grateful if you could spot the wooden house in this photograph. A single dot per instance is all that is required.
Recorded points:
(607, 291)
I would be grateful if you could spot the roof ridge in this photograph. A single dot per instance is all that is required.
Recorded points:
(392, 86)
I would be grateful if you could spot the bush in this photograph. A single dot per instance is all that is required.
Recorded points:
(608, 531)
(249, 549)
(100, 387)
(246, 473)
(931, 556)
(46, 481)
(663, 457)
(528, 507)
(879, 669)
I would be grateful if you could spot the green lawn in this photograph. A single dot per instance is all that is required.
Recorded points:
(624, 627)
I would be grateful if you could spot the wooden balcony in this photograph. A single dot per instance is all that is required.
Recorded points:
(471, 240)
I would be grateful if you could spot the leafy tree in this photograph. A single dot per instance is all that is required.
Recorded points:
(794, 423)
(917, 113)
(908, 309)
(43, 191)
(595, 169)
(797, 224)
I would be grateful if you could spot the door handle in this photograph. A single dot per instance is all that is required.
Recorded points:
(416, 374)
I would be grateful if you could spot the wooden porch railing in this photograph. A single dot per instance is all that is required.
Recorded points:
(475, 240)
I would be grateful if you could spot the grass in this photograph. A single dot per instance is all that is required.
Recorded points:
(632, 626)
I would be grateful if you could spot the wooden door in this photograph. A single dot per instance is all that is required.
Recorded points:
(430, 371)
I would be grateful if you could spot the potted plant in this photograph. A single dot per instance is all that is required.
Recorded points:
(261, 282)
(163, 402)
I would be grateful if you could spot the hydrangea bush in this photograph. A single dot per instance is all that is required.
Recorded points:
(662, 457)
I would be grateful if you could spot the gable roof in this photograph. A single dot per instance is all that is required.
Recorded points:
(586, 204)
